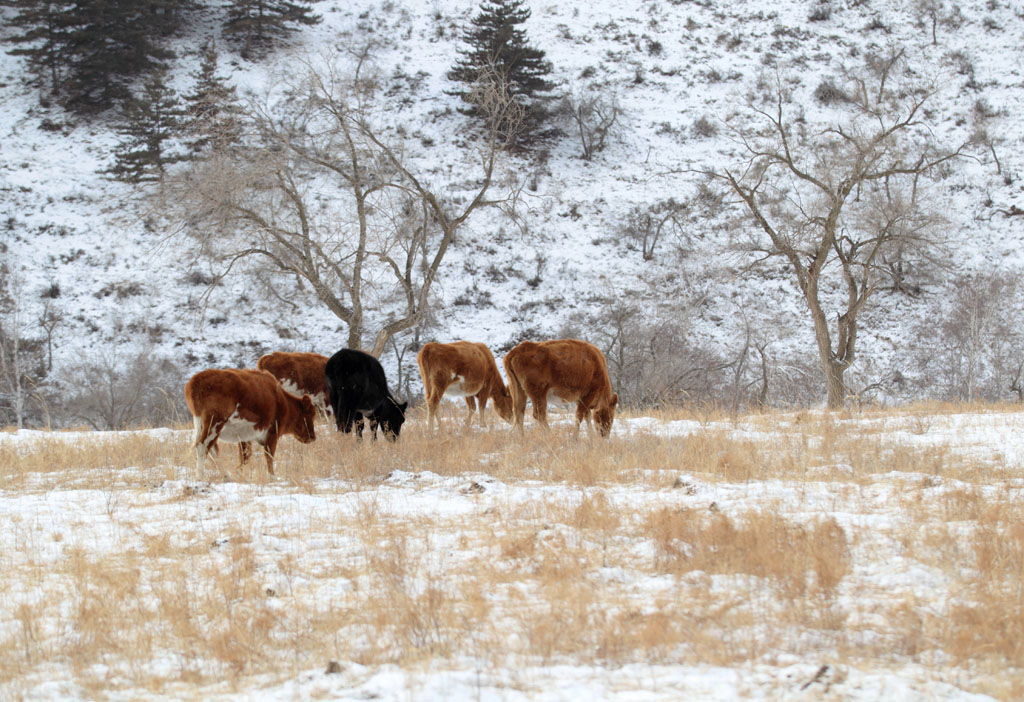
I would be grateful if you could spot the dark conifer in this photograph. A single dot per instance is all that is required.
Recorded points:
(212, 116)
(111, 42)
(257, 24)
(93, 49)
(497, 43)
(42, 36)
(151, 119)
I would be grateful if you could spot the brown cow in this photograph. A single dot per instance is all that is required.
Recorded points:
(299, 374)
(462, 369)
(244, 406)
(570, 369)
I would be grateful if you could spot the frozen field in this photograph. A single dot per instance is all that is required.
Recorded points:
(779, 557)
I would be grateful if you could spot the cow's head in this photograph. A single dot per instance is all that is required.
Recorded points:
(305, 431)
(390, 416)
(503, 403)
(605, 415)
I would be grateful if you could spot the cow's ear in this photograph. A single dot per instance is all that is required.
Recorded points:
(614, 400)
(403, 405)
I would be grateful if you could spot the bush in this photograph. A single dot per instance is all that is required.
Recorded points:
(704, 128)
(820, 14)
(828, 93)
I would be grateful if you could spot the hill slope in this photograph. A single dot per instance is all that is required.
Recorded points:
(129, 285)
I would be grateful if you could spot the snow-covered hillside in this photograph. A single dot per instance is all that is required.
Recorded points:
(128, 284)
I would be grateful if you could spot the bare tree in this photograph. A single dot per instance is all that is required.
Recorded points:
(22, 368)
(594, 117)
(322, 196)
(809, 190)
(976, 354)
(646, 225)
(929, 11)
(121, 389)
(653, 358)
(50, 317)
(12, 358)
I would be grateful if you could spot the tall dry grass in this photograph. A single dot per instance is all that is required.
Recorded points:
(617, 554)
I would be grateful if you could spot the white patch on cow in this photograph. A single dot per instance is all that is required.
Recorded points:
(319, 398)
(289, 386)
(458, 388)
(236, 429)
(320, 402)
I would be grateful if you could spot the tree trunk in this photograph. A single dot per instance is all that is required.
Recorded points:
(834, 384)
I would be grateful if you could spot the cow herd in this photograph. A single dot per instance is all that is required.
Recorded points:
(286, 391)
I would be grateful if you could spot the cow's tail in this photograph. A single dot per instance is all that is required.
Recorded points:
(516, 390)
(197, 422)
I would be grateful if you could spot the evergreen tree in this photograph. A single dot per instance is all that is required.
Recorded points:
(42, 36)
(92, 49)
(212, 116)
(111, 42)
(257, 24)
(151, 119)
(497, 44)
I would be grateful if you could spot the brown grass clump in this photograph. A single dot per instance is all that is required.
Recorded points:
(796, 558)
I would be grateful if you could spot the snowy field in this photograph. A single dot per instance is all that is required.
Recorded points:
(804, 556)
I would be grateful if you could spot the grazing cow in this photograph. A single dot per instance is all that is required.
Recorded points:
(299, 374)
(358, 388)
(570, 369)
(462, 369)
(244, 406)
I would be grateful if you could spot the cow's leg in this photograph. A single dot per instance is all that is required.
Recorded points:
(268, 451)
(207, 432)
(345, 418)
(198, 445)
(433, 403)
(540, 408)
(244, 452)
(471, 406)
(583, 412)
(481, 402)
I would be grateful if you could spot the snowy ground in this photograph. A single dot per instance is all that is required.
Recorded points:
(480, 567)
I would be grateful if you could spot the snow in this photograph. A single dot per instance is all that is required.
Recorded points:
(303, 524)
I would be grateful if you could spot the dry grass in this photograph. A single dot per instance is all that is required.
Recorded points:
(643, 548)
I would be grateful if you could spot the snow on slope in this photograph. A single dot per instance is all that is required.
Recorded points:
(125, 283)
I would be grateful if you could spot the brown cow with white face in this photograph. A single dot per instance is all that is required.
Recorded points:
(299, 374)
(462, 369)
(572, 370)
(243, 406)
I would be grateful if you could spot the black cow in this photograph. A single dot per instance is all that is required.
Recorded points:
(357, 388)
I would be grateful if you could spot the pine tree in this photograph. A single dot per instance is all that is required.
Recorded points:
(111, 43)
(212, 117)
(151, 119)
(43, 38)
(497, 44)
(257, 24)
(92, 49)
